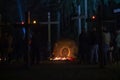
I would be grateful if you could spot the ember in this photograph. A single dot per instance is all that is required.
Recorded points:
(64, 50)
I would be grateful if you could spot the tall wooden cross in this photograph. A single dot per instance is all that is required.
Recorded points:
(86, 12)
(0, 24)
(49, 22)
(79, 17)
(0, 18)
(27, 39)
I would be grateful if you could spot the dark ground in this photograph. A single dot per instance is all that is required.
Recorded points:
(59, 71)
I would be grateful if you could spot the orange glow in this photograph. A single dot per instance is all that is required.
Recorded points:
(61, 58)
(64, 50)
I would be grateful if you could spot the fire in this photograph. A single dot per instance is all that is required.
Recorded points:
(64, 50)
(62, 58)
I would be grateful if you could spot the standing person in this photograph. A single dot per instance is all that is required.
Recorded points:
(18, 45)
(35, 45)
(82, 46)
(4, 47)
(0, 45)
(110, 54)
(10, 48)
(117, 51)
(94, 46)
(106, 44)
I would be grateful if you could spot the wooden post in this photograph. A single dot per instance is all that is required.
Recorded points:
(0, 18)
(58, 27)
(27, 39)
(86, 14)
(79, 20)
(49, 22)
(99, 28)
(0, 24)
(49, 33)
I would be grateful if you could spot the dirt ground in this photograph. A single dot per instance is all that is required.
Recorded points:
(59, 71)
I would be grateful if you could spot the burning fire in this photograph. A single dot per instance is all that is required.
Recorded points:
(64, 50)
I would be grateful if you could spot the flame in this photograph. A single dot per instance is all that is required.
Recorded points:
(62, 58)
(64, 50)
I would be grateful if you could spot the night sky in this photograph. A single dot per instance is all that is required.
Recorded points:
(14, 10)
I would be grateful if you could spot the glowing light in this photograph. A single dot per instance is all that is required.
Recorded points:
(60, 58)
(51, 59)
(0, 59)
(64, 50)
(34, 22)
(93, 17)
(22, 23)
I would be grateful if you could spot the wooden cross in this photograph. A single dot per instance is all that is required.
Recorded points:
(79, 17)
(49, 22)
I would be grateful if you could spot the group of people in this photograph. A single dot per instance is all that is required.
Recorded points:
(6, 47)
(11, 46)
(15, 49)
(94, 44)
